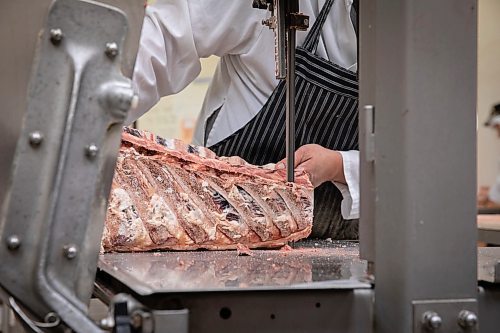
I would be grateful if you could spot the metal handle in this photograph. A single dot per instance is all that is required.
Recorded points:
(369, 125)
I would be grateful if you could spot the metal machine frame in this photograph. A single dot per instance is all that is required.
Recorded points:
(417, 109)
(418, 232)
(55, 202)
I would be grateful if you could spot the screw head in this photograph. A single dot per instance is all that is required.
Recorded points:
(13, 242)
(91, 150)
(70, 251)
(35, 138)
(111, 50)
(467, 319)
(52, 318)
(431, 320)
(56, 36)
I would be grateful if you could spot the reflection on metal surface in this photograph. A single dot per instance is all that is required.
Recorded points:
(311, 264)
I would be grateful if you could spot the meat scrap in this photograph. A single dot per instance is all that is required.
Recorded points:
(243, 250)
(170, 195)
(286, 248)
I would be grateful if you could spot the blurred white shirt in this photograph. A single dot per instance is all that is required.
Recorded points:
(494, 193)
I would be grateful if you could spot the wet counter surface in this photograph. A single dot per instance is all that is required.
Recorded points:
(310, 264)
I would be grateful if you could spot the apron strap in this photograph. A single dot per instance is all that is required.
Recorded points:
(312, 38)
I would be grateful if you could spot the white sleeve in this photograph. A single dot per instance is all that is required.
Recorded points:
(494, 193)
(176, 34)
(350, 192)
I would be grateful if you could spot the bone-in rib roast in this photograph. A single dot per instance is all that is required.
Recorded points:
(170, 195)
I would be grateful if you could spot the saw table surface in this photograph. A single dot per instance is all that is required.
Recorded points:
(310, 264)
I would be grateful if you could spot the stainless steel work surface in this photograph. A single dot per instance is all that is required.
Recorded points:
(308, 265)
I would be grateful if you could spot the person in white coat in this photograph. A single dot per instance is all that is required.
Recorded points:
(493, 121)
(243, 111)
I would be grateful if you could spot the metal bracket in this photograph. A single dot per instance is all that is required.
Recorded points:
(454, 315)
(53, 215)
(369, 132)
(284, 17)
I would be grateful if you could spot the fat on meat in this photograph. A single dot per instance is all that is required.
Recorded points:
(167, 194)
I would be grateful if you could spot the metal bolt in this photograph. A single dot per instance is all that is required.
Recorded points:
(306, 21)
(431, 320)
(70, 251)
(13, 242)
(35, 138)
(107, 323)
(56, 36)
(111, 50)
(91, 150)
(51, 317)
(467, 319)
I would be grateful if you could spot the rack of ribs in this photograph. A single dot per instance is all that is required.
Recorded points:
(170, 195)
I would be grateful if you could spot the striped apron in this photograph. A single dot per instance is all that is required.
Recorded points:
(326, 114)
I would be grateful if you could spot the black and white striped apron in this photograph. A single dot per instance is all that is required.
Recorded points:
(326, 114)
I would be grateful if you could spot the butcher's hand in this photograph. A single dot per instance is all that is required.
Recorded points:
(320, 163)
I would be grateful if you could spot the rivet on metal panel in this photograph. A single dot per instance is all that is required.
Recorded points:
(70, 251)
(91, 151)
(431, 320)
(35, 138)
(56, 36)
(13, 242)
(111, 50)
(467, 319)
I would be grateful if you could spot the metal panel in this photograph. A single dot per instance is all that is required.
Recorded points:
(20, 22)
(309, 311)
(489, 308)
(53, 214)
(291, 311)
(367, 79)
(425, 166)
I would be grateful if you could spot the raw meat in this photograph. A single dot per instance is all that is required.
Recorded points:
(170, 195)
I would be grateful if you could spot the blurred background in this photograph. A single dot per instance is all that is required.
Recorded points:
(488, 152)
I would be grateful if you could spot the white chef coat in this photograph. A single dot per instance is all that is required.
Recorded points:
(176, 34)
(494, 193)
